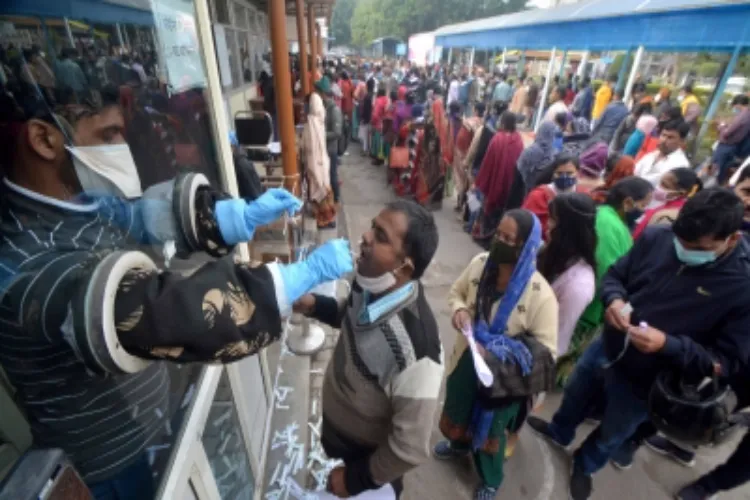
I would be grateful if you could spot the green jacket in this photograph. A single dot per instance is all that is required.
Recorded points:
(613, 241)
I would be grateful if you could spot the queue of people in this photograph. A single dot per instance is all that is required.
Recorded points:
(603, 271)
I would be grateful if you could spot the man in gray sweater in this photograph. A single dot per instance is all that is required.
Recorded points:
(380, 392)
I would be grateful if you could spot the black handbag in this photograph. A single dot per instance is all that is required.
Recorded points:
(509, 382)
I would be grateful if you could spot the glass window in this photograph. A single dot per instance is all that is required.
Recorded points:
(122, 99)
(221, 8)
(240, 16)
(225, 447)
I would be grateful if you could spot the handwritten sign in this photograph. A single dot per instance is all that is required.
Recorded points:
(178, 40)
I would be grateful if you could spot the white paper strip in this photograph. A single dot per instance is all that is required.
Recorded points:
(480, 365)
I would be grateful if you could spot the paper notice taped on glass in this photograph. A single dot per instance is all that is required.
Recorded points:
(384, 493)
(177, 37)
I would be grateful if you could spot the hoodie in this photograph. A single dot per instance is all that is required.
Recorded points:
(704, 310)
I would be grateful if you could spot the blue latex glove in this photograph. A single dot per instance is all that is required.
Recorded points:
(237, 219)
(329, 261)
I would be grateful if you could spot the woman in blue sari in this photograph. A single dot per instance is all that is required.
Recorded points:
(499, 296)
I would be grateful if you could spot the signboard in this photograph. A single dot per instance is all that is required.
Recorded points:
(178, 37)
(401, 49)
(421, 48)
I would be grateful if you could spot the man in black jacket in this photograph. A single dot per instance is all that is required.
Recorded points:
(680, 299)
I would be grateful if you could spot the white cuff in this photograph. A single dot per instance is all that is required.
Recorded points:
(285, 308)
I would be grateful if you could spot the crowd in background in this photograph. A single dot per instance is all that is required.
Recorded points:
(564, 198)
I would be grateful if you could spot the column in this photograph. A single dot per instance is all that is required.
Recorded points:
(119, 35)
(623, 70)
(582, 66)
(633, 73)
(302, 43)
(283, 84)
(522, 62)
(503, 61)
(719, 92)
(471, 59)
(69, 32)
(311, 34)
(450, 56)
(562, 63)
(545, 90)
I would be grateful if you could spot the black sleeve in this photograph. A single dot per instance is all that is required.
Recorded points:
(222, 312)
(328, 311)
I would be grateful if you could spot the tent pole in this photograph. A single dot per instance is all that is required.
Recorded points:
(471, 59)
(582, 66)
(119, 35)
(69, 32)
(562, 63)
(633, 73)
(719, 92)
(522, 63)
(543, 97)
(623, 70)
(450, 54)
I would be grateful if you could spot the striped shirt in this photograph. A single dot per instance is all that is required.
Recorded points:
(46, 248)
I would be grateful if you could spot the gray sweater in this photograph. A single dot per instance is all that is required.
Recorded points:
(380, 392)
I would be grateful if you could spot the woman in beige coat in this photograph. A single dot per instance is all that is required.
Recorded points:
(501, 289)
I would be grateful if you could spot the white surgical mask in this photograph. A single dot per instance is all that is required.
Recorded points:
(107, 169)
(379, 284)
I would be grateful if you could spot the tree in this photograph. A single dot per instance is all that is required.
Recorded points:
(401, 18)
(341, 21)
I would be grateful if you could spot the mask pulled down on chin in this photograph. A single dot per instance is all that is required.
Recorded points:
(106, 170)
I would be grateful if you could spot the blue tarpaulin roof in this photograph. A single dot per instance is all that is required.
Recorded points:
(672, 25)
(93, 11)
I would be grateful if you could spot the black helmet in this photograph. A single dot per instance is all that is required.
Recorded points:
(693, 415)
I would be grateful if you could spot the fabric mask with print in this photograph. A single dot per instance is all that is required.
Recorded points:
(503, 253)
(107, 169)
(693, 257)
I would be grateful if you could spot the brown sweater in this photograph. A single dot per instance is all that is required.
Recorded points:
(380, 392)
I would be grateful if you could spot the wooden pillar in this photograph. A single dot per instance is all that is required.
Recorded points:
(301, 36)
(283, 84)
(311, 33)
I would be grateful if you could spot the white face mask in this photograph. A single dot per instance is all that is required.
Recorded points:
(376, 285)
(380, 283)
(108, 169)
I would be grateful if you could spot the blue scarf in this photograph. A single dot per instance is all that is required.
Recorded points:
(493, 338)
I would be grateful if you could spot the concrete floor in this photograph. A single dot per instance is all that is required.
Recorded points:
(536, 471)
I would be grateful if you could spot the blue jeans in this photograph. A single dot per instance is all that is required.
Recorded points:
(623, 411)
(135, 482)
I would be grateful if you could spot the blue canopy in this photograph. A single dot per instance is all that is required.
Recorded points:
(92, 11)
(669, 25)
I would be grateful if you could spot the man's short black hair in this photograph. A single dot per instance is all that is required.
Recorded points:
(741, 100)
(679, 125)
(688, 88)
(715, 212)
(421, 239)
